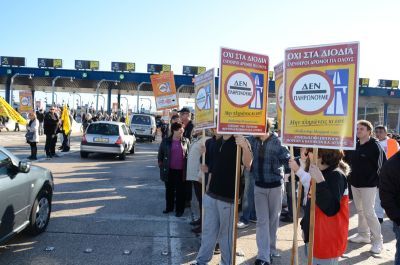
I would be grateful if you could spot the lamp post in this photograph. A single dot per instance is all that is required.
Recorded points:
(53, 85)
(12, 84)
(127, 106)
(98, 87)
(80, 99)
(104, 101)
(149, 102)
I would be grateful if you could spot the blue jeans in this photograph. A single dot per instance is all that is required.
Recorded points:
(248, 207)
(396, 230)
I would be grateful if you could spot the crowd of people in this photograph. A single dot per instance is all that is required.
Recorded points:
(266, 164)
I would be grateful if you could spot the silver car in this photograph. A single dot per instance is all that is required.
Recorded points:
(26, 192)
(108, 137)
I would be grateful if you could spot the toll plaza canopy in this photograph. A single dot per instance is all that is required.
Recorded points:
(86, 81)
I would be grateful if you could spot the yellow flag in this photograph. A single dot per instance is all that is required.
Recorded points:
(65, 120)
(7, 111)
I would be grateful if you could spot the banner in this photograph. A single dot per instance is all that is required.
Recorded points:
(242, 93)
(164, 90)
(205, 100)
(25, 101)
(7, 111)
(279, 94)
(321, 96)
(66, 122)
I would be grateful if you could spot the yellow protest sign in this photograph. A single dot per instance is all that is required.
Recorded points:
(7, 111)
(321, 96)
(279, 94)
(25, 101)
(164, 90)
(242, 93)
(66, 122)
(205, 99)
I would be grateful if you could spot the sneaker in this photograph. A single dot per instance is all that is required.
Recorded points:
(55, 155)
(242, 225)
(360, 239)
(261, 262)
(253, 221)
(217, 250)
(376, 247)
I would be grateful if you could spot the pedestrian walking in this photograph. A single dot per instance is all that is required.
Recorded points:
(40, 117)
(389, 190)
(172, 158)
(32, 135)
(366, 162)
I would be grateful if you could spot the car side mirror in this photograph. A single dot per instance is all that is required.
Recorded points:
(24, 166)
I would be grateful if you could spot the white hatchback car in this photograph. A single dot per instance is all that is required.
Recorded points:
(108, 137)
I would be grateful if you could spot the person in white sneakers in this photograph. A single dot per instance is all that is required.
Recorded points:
(366, 162)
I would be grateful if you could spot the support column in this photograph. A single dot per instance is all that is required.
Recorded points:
(33, 99)
(119, 102)
(8, 89)
(385, 114)
(109, 101)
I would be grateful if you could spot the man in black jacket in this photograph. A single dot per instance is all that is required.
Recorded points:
(51, 125)
(389, 191)
(366, 162)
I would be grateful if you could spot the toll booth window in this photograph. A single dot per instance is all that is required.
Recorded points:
(103, 128)
(141, 119)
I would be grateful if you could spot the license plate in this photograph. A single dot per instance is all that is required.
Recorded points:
(100, 140)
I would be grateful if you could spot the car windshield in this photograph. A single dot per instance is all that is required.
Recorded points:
(141, 119)
(103, 128)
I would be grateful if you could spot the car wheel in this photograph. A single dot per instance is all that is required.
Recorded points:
(40, 213)
(84, 154)
(122, 156)
(132, 151)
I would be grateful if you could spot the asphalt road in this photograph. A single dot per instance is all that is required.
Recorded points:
(107, 211)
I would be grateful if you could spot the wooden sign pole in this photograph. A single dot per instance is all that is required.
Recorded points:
(203, 179)
(295, 257)
(312, 213)
(236, 203)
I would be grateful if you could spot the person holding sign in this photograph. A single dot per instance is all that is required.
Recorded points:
(270, 161)
(218, 201)
(332, 207)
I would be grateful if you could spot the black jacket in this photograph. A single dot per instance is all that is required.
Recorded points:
(40, 116)
(188, 133)
(164, 156)
(366, 162)
(389, 188)
(51, 123)
(327, 197)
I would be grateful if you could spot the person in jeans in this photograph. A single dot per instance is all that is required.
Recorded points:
(218, 201)
(40, 117)
(33, 128)
(390, 146)
(248, 207)
(172, 157)
(389, 190)
(366, 162)
(270, 161)
(194, 172)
